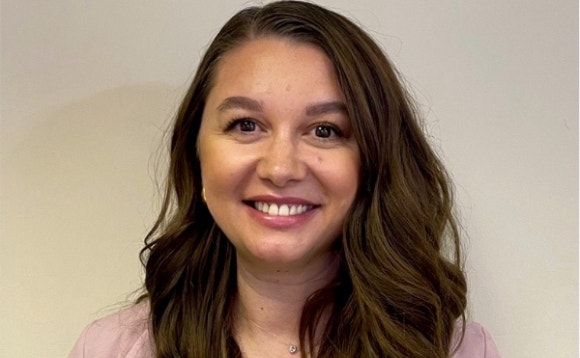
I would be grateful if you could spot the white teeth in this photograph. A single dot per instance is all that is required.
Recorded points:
(273, 210)
(281, 210)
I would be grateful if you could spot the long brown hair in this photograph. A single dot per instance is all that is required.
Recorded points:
(397, 294)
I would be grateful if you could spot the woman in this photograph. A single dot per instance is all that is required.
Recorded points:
(305, 212)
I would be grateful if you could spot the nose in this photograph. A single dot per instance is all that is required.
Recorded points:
(281, 162)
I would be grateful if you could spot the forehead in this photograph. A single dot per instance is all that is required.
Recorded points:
(271, 64)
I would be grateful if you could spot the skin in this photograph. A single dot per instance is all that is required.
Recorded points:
(274, 130)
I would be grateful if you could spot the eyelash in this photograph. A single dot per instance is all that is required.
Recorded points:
(235, 122)
(231, 125)
(337, 132)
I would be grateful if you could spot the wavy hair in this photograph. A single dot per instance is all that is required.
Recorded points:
(397, 294)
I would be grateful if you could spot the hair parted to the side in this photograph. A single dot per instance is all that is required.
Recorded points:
(396, 295)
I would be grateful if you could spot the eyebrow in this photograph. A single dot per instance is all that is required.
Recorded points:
(324, 108)
(241, 102)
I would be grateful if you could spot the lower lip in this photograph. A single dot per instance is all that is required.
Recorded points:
(281, 222)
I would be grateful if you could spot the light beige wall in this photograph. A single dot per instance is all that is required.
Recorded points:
(88, 87)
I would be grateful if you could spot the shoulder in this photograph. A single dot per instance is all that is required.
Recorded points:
(122, 334)
(476, 343)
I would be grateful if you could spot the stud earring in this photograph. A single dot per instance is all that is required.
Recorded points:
(203, 195)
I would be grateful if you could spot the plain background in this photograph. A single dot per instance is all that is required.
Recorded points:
(88, 88)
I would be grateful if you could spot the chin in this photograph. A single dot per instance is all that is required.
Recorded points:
(279, 257)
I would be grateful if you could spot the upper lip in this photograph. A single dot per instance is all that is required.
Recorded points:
(270, 199)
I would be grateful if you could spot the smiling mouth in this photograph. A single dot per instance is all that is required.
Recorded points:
(281, 209)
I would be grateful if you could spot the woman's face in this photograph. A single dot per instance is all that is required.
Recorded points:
(279, 163)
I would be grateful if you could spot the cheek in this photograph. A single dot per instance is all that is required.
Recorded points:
(350, 181)
(340, 174)
(215, 168)
(222, 171)
(351, 177)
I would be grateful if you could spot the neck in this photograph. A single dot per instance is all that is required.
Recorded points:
(269, 302)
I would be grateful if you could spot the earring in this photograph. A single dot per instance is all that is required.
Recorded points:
(203, 195)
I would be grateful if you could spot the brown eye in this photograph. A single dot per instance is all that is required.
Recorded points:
(326, 131)
(246, 125)
(242, 125)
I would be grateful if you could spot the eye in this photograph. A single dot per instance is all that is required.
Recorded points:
(247, 125)
(242, 125)
(327, 131)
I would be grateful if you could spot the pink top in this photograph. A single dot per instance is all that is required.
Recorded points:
(125, 334)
